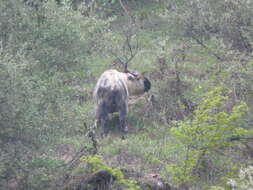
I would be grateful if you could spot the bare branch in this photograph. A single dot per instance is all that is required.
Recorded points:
(207, 48)
(127, 13)
(130, 49)
(119, 60)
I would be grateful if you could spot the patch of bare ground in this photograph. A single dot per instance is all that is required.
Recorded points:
(66, 152)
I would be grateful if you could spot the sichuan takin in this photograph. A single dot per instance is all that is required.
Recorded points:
(112, 93)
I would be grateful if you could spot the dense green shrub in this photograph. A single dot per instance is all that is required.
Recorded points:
(44, 59)
(229, 21)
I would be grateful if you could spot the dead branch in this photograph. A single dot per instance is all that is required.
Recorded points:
(207, 48)
(127, 45)
(127, 13)
(129, 51)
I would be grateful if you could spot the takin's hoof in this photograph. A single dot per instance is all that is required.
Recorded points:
(123, 137)
(103, 134)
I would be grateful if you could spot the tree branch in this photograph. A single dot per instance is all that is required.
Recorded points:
(207, 48)
(127, 13)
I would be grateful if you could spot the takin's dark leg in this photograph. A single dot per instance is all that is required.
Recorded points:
(102, 115)
(122, 117)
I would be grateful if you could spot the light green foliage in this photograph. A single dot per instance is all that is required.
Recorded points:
(211, 129)
(243, 181)
(149, 146)
(98, 164)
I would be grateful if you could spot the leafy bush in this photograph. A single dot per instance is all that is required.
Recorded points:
(244, 181)
(211, 129)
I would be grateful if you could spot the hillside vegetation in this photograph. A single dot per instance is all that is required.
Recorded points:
(193, 129)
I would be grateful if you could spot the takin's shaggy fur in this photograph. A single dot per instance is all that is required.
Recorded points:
(112, 92)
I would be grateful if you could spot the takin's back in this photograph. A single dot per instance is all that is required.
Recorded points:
(111, 87)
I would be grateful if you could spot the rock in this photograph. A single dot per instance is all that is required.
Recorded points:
(156, 182)
(101, 180)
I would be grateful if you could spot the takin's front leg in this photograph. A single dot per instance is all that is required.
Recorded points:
(122, 117)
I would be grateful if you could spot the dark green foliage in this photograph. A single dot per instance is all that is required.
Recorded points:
(230, 21)
(43, 58)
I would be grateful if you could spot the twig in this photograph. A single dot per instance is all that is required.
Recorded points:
(132, 54)
(207, 48)
(94, 141)
(126, 11)
(237, 138)
(76, 159)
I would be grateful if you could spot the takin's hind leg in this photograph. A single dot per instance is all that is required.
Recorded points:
(104, 126)
(122, 117)
(102, 120)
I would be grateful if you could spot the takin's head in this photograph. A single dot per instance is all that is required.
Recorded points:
(137, 84)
